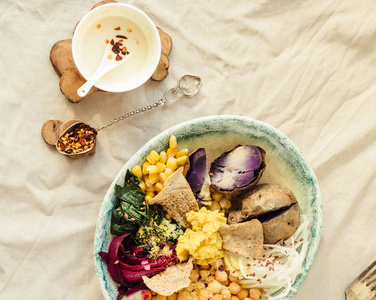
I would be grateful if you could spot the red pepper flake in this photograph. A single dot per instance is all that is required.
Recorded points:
(117, 28)
(129, 30)
(116, 49)
(99, 26)
(118, 57)
(110, 56)
(112, 42)
(107, 41)
(116, 262)
(121, 37)
(301, 240)
(265, 276)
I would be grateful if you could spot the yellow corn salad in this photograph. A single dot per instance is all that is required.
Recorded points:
(158, 167)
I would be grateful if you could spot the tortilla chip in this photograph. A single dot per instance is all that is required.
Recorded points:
(171, 280)
(244, 239)
(177, 198)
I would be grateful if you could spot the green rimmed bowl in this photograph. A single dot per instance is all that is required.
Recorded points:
(285, 165)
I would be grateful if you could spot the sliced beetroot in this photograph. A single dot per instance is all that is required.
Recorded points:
(126, 268)
(196, 170)
(132, 278)
(237, 170)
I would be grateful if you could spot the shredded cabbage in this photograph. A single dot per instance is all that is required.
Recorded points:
(278, 266)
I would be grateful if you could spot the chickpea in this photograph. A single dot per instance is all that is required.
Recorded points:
(255, 294)
(242, 294)
(160, 297)
(153, 293)
(225, 283)
(194, 276)
(204, 294)
(226, 295)
(205, 267)
(209, 279)
(221, 275)
(215, 206)
(174, 296)
(233, 278)
(234, 298)
(218, 262)
(204, 274)
(184, 295)
(214, 287)
(234, 288)
(217, 297)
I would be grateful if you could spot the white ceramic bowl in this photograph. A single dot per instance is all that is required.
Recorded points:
(285, 165)
(89, 43)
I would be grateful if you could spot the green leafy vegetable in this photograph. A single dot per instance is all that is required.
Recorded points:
(131, 210)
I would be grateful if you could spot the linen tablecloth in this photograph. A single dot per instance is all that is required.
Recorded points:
(307, 68)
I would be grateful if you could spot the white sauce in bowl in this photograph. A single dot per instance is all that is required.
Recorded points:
(142, 40)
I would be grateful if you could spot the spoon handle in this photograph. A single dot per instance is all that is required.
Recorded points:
(85, 88)
(188, 85)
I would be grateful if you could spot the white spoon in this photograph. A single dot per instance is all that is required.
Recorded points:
(105, 66)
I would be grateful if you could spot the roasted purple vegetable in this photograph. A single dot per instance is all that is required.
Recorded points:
(237, 170)
(196, 170)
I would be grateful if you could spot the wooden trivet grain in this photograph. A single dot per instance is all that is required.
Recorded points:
(62, 60)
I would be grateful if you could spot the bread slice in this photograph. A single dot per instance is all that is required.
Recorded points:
(177, 198)
(171, 280)
(244, 239)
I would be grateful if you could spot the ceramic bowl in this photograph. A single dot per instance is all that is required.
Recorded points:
(103, 24)
(285, 165)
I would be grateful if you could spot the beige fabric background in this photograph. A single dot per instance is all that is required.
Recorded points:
(307, 68)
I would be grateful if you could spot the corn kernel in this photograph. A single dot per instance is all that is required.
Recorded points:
(173, 142)
(172, 163)
(181, 160)
(153, 178)
(148, 197)
(136, 171)
(162, 177)
(167, 216)
(147, 181)
(181, 153)
(153, 157)
(163, 157)
(142, 185)
(171, 152)
(152, 169)
(158, 186)
(150, 188)
(144, 168)
(161, 166)
(216, 195)
(168, 172)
